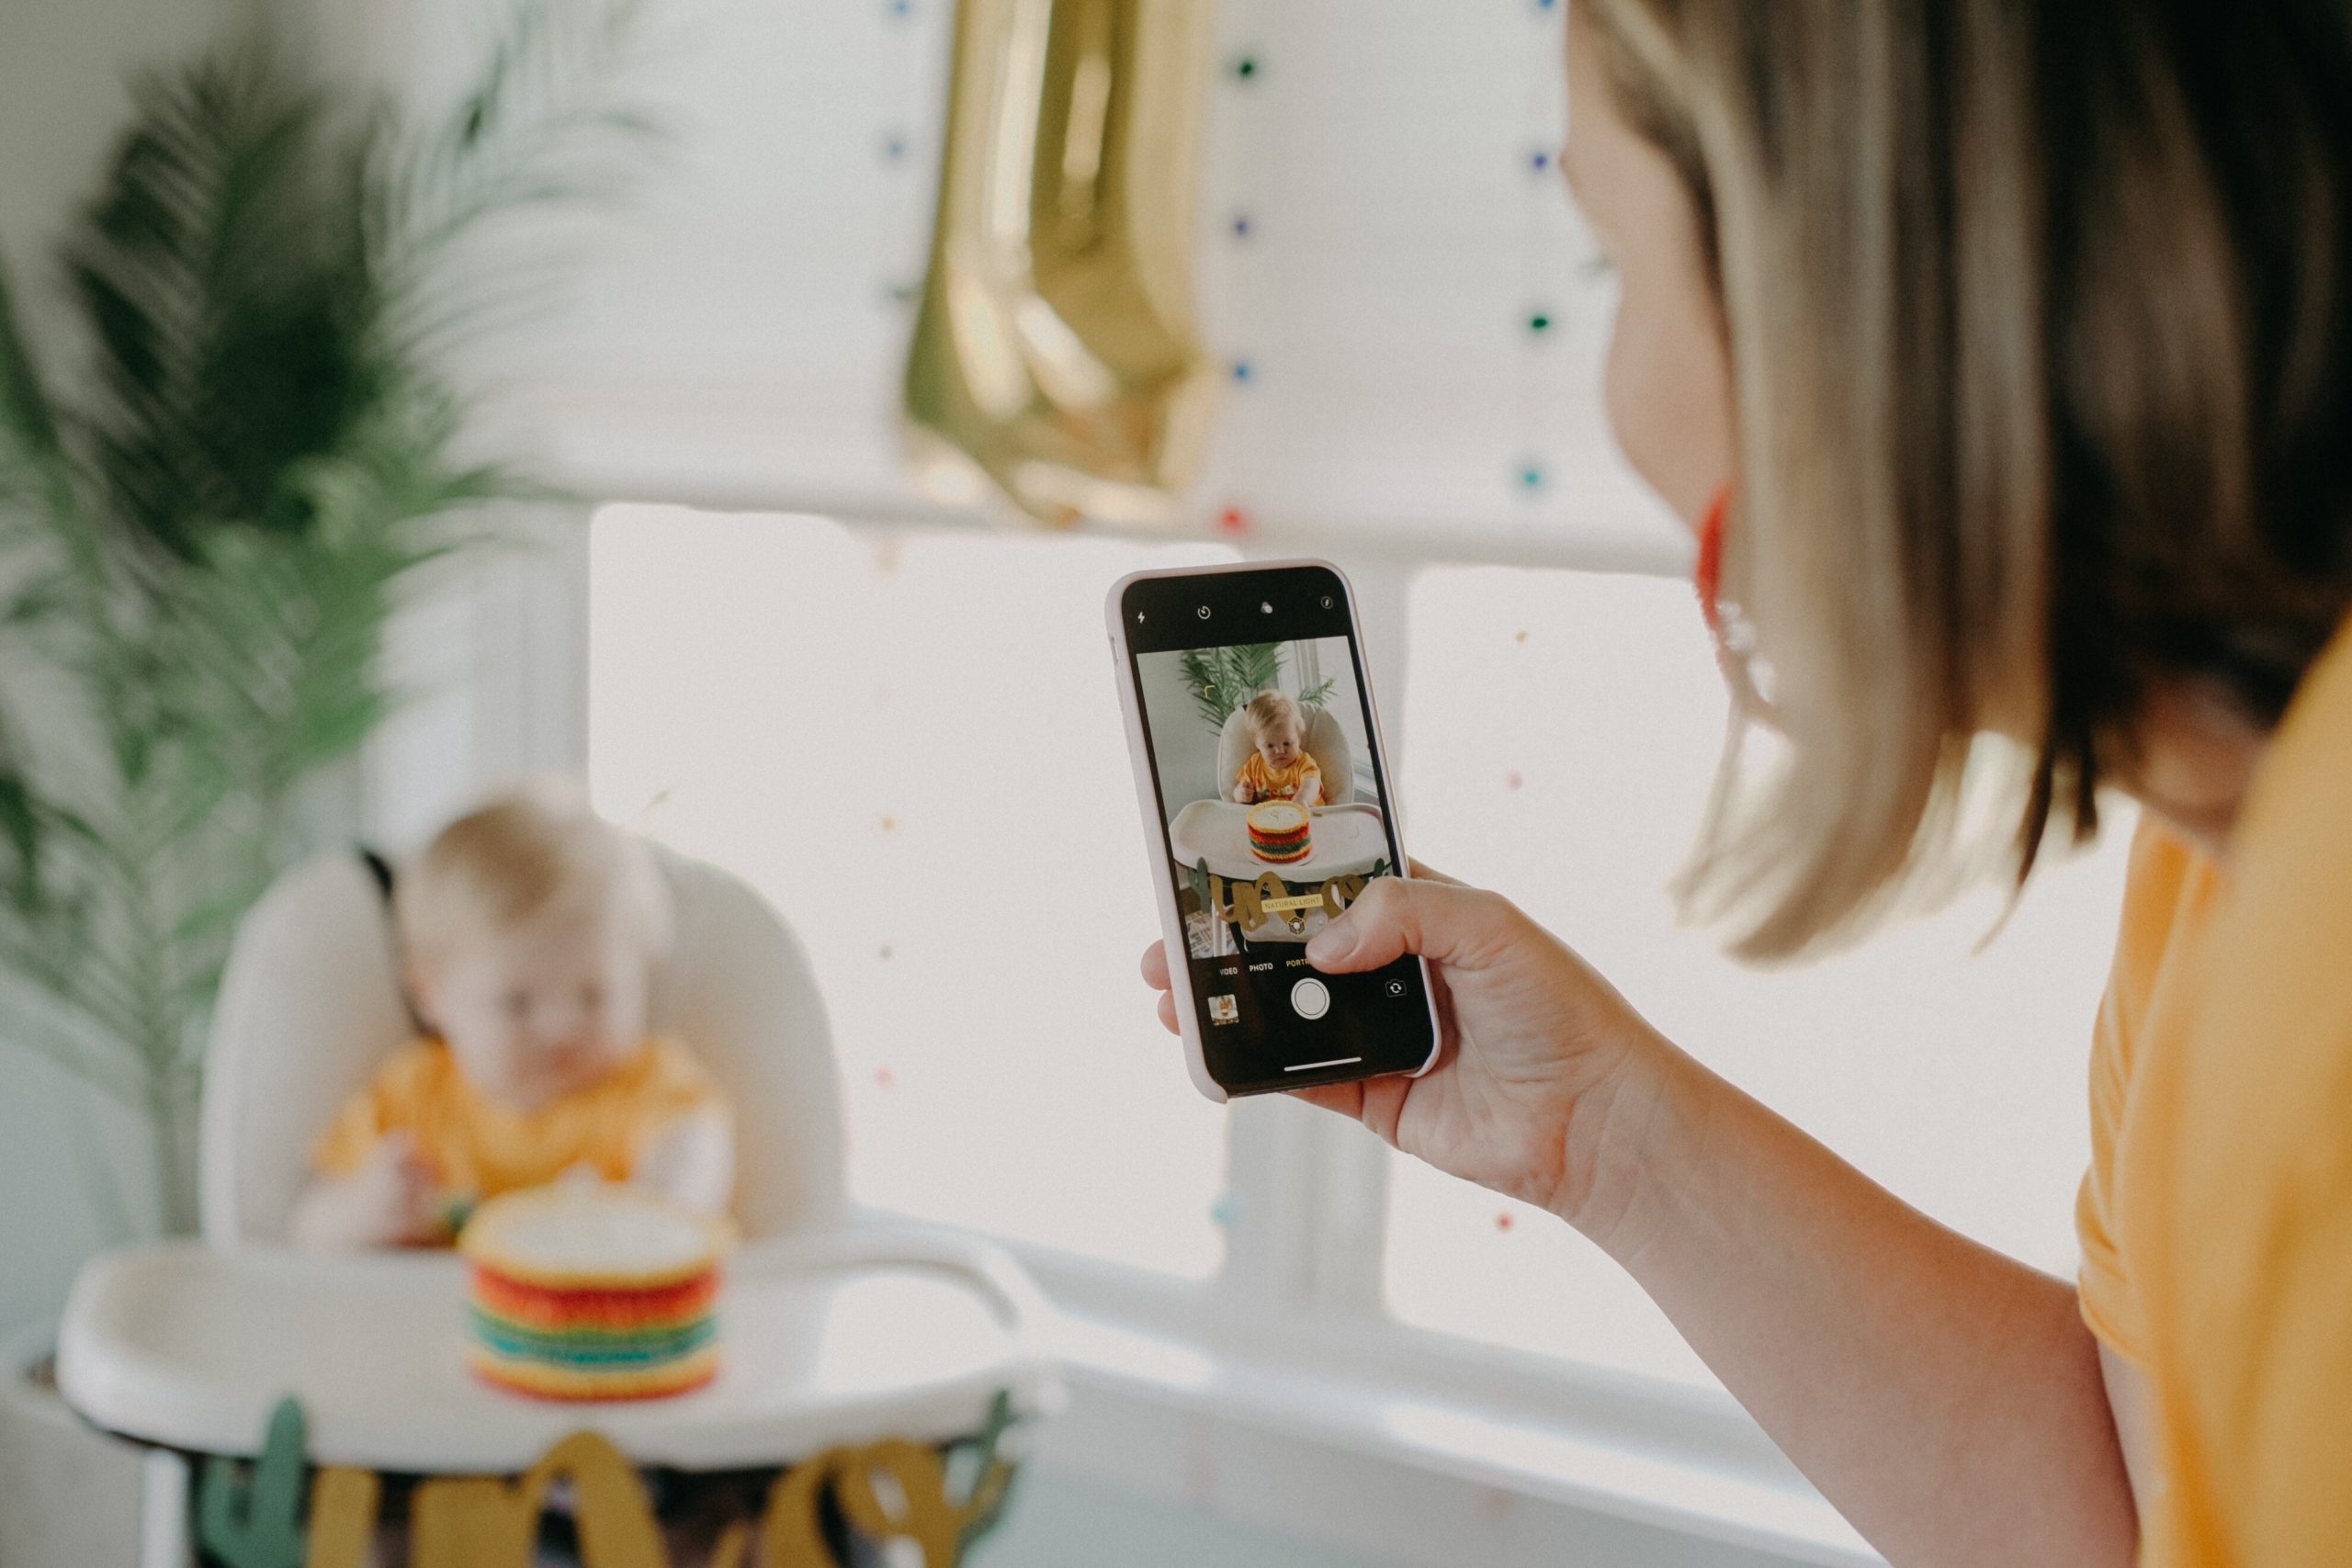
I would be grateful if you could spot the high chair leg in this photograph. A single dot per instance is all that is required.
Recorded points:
(165, 1537)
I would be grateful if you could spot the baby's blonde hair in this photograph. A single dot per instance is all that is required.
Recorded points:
(519, 855)
(1268, 709)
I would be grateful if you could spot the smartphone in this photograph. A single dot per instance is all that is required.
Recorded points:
(1266, 802)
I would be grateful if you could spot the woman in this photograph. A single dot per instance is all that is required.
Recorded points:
(2019, 338)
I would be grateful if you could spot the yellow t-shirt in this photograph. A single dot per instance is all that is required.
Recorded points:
(479, 1148)
(1278, 783)
(2216, 1218)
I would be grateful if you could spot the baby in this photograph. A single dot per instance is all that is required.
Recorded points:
(1278, 766)
(528, 931)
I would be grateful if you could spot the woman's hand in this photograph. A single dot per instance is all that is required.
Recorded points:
(1533, 1044)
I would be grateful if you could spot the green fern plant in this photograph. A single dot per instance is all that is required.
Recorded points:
(1223, 679)
(198, 555)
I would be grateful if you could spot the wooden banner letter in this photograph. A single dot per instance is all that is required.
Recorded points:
(1248, 912)
(343, 1518)
(925, 1515)
(1340, 892)
(790, 1536)
(476, 1523)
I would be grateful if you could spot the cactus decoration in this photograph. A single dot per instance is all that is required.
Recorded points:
(255, 1521)
(993, 1467)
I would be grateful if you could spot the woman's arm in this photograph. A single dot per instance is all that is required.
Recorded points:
(1945, 1398)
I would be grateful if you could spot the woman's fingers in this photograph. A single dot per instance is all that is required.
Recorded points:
(1422, 872)
(1347, 1099)
(1155, 966)
(1441, 921)
(1168, 1012)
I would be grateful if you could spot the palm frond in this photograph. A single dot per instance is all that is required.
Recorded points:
(204, 559)
(1223, 679)
(28, 424)
(222, 271)
(523, 140)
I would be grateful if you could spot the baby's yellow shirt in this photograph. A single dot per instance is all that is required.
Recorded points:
(1277, 783)
(479, 1148)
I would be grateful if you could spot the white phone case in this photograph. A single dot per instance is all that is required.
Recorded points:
(1172, 927)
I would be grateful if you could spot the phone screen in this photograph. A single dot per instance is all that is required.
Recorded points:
(1274, 815)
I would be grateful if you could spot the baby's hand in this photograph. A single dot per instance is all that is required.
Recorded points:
(1244, 795)
(390, 1195)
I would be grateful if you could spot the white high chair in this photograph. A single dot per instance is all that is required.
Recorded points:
(834, 1330)
(311, 1003)
(1324, 740)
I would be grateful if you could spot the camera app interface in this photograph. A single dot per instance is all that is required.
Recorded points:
(1276, 820)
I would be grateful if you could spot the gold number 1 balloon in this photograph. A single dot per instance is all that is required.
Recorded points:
(1056, 351)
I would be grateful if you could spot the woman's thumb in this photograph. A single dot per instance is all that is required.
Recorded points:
(1393, 917)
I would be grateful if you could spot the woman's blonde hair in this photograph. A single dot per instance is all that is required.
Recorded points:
(2041, 344)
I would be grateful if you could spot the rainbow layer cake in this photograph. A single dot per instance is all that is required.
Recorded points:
(1281, 832)
(594, 1292)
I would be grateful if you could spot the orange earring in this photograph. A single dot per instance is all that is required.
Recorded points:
(1733, 634)
(1707, 574)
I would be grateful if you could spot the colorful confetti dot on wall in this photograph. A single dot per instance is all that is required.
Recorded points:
(1503, 1220)
(1511, 779)
(884, 1079)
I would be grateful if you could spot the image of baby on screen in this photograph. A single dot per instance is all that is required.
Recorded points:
(1271, 799)
(1278, 766)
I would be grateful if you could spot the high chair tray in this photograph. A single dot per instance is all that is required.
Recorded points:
(842, 1337)
(1349, 841)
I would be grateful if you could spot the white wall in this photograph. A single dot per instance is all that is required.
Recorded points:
(1182, 742)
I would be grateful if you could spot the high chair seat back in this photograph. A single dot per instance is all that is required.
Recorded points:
(310, 1003)
(1326, 743)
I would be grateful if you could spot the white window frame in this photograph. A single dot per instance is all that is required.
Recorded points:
(1270, 1393)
